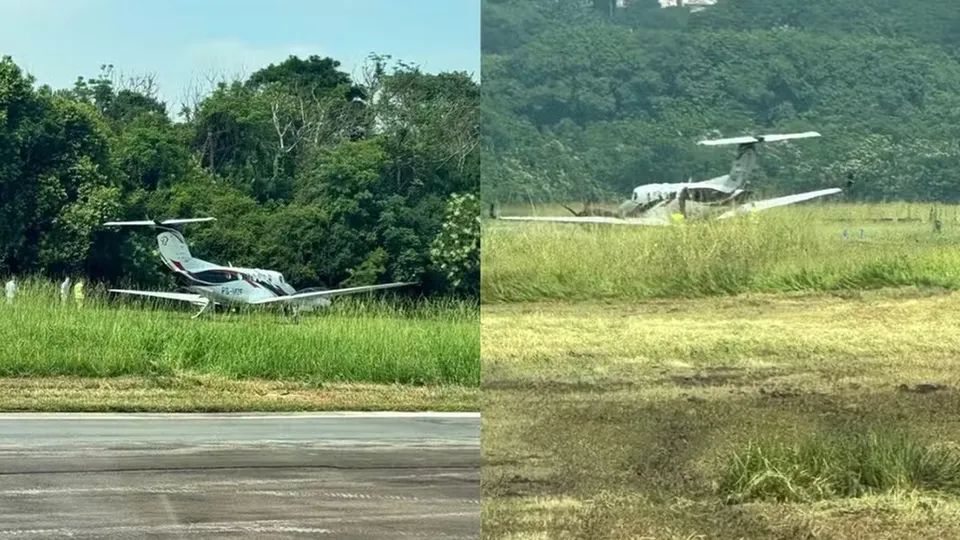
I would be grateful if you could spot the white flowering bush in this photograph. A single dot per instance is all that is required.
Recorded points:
(455, 251)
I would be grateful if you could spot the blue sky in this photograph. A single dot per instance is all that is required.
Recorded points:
(181, 42)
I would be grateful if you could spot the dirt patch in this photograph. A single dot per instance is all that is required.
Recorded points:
(788, 392)
(723, 376)
(517, 485)
(586, 354)
(925, 388)
(560, 387)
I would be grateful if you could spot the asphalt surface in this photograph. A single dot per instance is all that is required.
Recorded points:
(269, 476)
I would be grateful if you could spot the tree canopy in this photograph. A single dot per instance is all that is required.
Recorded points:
(330, 180)
(584, 99)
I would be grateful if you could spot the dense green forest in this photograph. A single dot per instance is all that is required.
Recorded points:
(584, 99)
(329, 180)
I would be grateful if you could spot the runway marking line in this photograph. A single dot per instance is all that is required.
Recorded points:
(259, 526)
(236, 416)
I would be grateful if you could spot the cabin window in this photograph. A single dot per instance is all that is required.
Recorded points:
(215, 276)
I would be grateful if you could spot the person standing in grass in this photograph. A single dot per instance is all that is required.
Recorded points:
(65, 290)
(78, 293)
(11, 290)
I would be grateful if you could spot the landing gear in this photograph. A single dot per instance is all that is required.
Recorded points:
(202, 309)
(293, 312)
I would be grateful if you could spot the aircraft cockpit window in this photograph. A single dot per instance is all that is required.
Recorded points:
(216, 276)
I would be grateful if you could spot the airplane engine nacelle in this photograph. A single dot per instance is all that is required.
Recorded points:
(321, 303)
(314, 304)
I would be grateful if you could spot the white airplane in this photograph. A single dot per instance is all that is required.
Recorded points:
(664, 204)
(213, 284)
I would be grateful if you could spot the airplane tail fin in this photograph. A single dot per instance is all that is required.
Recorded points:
(176, 254)
(746, 160)
(173, 246)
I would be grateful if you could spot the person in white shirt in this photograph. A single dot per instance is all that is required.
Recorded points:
(65, 290)
(11, 289)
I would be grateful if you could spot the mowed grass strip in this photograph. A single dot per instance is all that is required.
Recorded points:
(619, 515)
(821, 342)
(768, 416)
(785, 249)
(357, 343)
(216, 394)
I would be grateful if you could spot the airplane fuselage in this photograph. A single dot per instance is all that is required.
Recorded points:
(708, 189)
(717, 198)
(211, 284)
(236, 286)
(231, 285)
(240, 293)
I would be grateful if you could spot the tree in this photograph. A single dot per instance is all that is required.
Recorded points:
(589, 106)
(331, 180)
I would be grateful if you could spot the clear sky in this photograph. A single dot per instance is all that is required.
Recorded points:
(181, 41)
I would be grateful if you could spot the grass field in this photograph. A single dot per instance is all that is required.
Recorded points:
(763, 379)
(785, 249)
(765, 416)
(357, 353)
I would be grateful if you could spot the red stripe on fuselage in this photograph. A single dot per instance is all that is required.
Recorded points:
(187, 272)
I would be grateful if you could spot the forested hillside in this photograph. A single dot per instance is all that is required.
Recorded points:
(330, 180)
(586, 100)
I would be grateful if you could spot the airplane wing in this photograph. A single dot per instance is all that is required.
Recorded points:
(333, 292)
(779, 201)
(154, 223)
(590, 219)
(195, 299)
(764, 138)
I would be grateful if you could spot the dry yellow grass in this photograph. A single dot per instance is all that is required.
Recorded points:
(616, 420)
(865, 338)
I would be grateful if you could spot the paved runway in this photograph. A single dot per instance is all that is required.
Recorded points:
(164, 476)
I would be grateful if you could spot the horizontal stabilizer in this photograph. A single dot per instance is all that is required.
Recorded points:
(187, 220)
(779, 201)
(150, 223)
(121, 223)
(591, 219)
(295, 298)
(195, 299)
(760, 138)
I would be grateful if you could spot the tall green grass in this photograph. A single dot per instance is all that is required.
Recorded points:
(355, 340)
(839, 466)
(785, 249)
